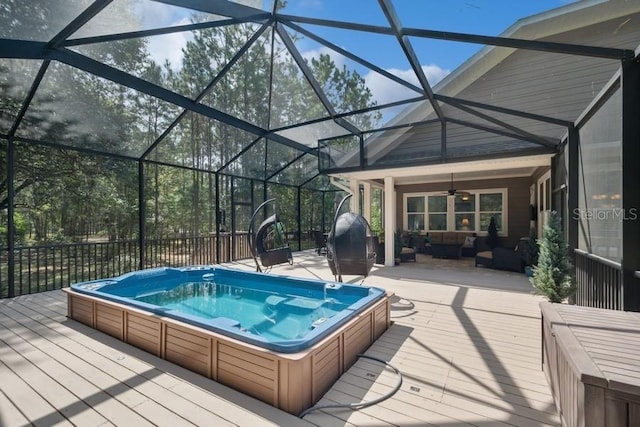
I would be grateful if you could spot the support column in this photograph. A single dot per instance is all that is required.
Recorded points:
(11, 234)
(569, 195)
(232, 233)
(354, 202)
(217, 176)
(142, 215)
(572, 225)
(299, 218)
(389, 219)
(630, 179)
(366, 203)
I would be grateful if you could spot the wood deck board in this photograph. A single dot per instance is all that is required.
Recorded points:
(470, 387)
(82, 389)
(464, 351)
(38, 411)
(9, 414)
(473, 354)
(141, 399)
(442, 388)
(478, 341)
(100, 379)
(475, 361)
(421, 408)
(465, 365)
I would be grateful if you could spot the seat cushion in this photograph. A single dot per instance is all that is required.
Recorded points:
(435, 238)
(407, 254)
(450, 238)
(484, 258)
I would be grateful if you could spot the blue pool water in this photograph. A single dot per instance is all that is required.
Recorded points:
(280, 313)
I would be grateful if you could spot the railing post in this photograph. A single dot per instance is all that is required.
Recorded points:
(299, 219)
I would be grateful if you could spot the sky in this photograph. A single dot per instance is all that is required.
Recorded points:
(437, 58)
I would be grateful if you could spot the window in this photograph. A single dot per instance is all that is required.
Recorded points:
(465, 212)
(437, 212)
(415, 213)
(491, 206)
(472, 212)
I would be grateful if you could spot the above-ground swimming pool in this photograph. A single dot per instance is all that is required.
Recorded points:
(279, 313)
(284, 340)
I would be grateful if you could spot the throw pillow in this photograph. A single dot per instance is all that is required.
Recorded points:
(468, 242)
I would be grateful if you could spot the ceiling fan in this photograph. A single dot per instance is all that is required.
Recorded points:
(453, 192)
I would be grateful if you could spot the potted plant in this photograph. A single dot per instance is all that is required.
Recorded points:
(552, 274)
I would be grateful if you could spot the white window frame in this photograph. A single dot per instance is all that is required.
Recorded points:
(424, 213)
(451, 225)
(543, 188)
(476, 213)
(447, 212)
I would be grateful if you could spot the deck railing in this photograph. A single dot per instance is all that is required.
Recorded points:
(598, 281)
(47, 267)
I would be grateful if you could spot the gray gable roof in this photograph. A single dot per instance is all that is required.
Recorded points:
(553, 85)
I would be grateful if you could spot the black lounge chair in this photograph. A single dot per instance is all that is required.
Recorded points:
(320, 240)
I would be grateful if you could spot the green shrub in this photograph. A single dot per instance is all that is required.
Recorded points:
(552, 275)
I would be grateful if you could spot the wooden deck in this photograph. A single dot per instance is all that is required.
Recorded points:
(467, 341)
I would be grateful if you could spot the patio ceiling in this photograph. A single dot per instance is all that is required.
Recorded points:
(264, 98)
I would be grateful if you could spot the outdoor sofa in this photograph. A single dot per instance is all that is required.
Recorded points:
(450, 244)
(505, 258)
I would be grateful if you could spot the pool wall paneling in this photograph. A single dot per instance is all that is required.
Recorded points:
(292, 382)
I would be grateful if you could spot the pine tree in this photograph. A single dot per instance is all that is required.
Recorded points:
(552, 276)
